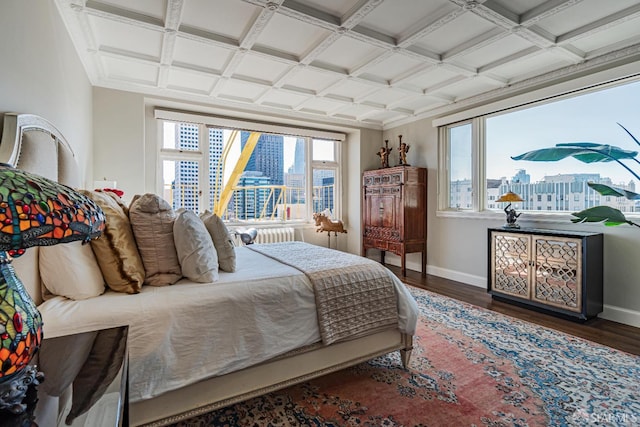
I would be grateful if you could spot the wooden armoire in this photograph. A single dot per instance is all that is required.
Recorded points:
(394, 212)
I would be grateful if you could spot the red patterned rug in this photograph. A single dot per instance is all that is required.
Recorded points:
(470, 367)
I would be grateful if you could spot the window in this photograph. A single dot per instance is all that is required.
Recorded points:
(487, 144)
(247, 175)
(459, 163)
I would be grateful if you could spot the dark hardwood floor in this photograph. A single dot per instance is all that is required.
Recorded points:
(617, 335)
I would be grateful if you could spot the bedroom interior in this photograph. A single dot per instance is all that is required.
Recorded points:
(102, 71)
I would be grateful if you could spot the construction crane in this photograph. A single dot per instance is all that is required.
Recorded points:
(220, 206)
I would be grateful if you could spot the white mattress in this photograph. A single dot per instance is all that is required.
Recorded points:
(189, 331)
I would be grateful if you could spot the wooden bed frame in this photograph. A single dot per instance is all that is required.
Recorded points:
(30, 142)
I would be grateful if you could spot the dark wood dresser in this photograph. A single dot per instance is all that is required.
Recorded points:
(394, 212)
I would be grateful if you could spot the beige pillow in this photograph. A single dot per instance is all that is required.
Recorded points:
(152, 223)
(196, 253)
(71, 271)
(221, 240)
(116, 250)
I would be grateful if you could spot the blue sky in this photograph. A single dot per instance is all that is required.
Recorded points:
(591, 117)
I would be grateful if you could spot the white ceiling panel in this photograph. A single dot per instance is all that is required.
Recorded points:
(290, 36)
(130, 72)
(470, 87)
(240, 90)
(386, 96)
(530, 66)
(312, 79)
(370, 63)
(393, 66)
(500, 49)
(455, 33)
(117, 36)
(433, 77)
(153, 8)
(228, 18)
(395, 17)
(337, 8)
(190, 82)
(201, 55)
(583, 13)
(283, 98)
(348, 53)
(322, 105)
(351, 89)
(260, 67)
(627, 32)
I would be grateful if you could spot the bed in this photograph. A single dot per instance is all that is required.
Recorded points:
(195, 347)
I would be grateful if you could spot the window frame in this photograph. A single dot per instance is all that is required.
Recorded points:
(206, 122)
(478, 117)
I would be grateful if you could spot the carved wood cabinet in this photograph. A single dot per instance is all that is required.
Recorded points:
(554, 271)
(394, 212)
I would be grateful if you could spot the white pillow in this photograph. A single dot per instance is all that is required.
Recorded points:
(196, 253)
(71, 270)
(221, 240)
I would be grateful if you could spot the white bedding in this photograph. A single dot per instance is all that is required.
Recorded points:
(263, 310)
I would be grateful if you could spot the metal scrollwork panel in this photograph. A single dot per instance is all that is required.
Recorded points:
(511, 269)
(557, 278)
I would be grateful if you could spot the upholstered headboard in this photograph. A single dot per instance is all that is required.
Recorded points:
(33, 144)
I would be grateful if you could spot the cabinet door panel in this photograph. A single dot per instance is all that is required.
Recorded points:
(382, 210)
(510, 269)
(558, 272)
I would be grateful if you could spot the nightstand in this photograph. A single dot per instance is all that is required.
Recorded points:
(85, 382)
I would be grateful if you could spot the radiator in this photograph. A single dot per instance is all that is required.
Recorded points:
(270, 235)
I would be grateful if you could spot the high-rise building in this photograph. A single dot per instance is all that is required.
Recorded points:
(216, 143)
(267, 156)
(186, 191)
(249, 202)
(268, 159)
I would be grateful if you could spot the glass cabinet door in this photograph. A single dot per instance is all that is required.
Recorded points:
(557, 272)
(511, 259)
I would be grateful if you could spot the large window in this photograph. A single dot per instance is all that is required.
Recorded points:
(476, 164)
(248, 175)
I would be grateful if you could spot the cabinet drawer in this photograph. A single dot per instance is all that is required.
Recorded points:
(375, 243)
(396, 248)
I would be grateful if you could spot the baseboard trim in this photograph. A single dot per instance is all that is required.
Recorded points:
(468, 279)
(621, 315)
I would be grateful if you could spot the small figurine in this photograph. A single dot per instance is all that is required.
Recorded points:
(511, 217)
(403, 149)
(383, 153)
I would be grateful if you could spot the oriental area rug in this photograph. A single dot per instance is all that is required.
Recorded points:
(470, 367)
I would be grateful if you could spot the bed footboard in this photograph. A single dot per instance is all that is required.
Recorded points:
(208, 395)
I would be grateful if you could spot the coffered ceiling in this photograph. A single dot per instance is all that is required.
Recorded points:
(371, 63)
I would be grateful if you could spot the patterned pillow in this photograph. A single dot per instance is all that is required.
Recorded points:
(221, 240)
(116, 250)
(152, 223)
(196, 253)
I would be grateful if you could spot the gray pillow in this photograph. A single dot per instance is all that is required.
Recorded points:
(196, 253)
(221, 240)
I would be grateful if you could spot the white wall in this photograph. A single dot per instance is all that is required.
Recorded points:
(119, 155)
(40, 73)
